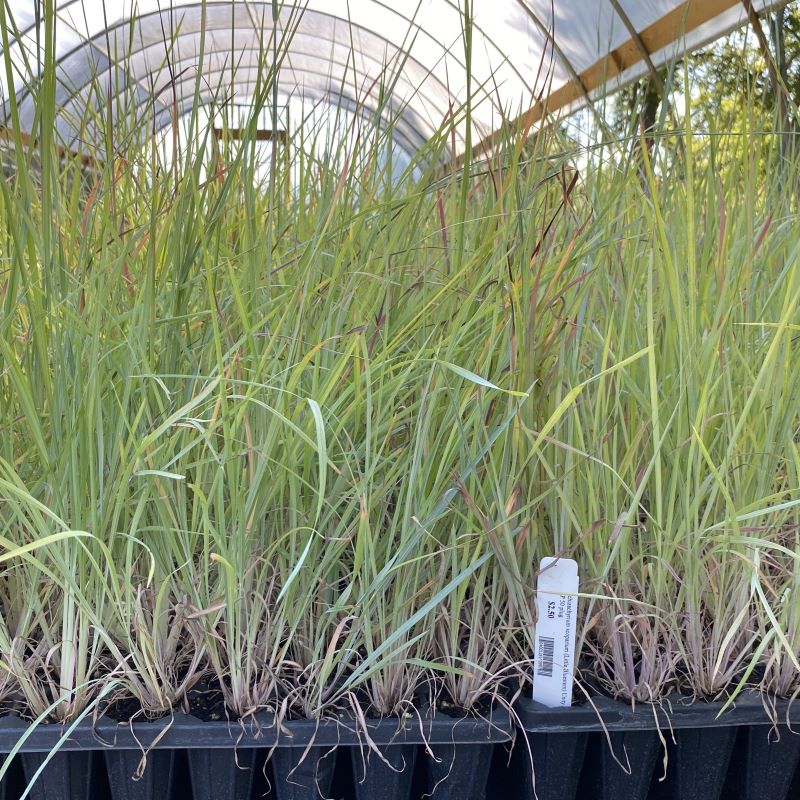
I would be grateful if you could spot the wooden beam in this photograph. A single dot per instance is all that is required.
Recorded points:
(620, 11)
(683, 19)
(7, 137)
(261, 135)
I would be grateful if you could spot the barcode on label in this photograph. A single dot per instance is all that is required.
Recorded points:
(547, 647)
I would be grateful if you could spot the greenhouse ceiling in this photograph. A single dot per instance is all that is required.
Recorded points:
(524, 58)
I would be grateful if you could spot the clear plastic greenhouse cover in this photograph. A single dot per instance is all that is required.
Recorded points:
(524, 57)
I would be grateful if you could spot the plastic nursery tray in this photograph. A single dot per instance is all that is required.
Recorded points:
(188, 759)
(743, 753)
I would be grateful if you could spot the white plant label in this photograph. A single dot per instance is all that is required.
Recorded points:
(557, 603)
